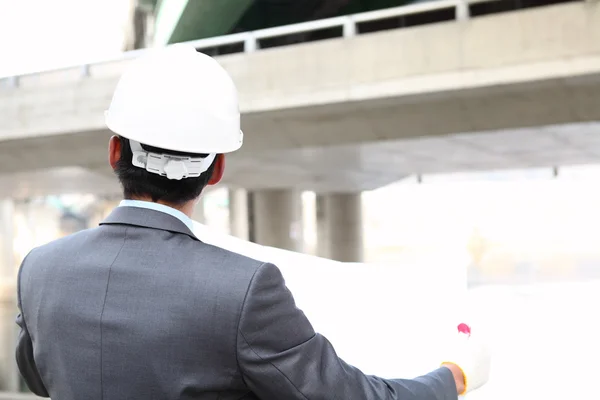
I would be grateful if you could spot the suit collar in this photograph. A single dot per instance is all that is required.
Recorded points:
(147, 218)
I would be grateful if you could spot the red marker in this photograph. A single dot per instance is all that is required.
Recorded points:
(464, 328)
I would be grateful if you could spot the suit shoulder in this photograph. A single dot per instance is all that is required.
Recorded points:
(233, 260)
(65, 242)
(249, 256)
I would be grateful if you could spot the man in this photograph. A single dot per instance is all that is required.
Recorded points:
(139, 308)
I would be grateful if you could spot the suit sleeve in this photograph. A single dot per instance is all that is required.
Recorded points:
(24, 353)
(281, 357)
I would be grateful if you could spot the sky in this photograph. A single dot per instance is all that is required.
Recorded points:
(44, 34)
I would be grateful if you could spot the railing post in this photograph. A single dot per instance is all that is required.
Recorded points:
(462, 10)
(250, 44)
(349, 27)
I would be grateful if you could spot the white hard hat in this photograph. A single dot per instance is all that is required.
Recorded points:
(176, 98)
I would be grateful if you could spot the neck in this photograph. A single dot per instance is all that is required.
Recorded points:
(187, 208)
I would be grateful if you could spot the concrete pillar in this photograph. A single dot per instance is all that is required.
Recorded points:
(9, 376)
(7, 261)
(277, 219)
(198, 214)
(322, 227)
(238, 213)
(340, 227)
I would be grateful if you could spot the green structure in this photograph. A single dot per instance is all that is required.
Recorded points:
(185, 20)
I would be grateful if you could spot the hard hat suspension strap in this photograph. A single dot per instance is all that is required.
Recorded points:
(170, 166)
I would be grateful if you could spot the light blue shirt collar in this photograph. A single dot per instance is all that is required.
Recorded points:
(160, 208)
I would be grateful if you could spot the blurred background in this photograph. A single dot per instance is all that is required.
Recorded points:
(374, 130)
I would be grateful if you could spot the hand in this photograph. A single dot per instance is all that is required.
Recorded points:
(469, 360)
(459, 377)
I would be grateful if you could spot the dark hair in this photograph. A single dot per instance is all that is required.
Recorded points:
(137, 182)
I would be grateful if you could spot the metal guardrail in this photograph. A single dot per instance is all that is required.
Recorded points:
(250, 40)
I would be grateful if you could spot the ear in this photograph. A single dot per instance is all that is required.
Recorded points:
(114, 151)
(218, 170)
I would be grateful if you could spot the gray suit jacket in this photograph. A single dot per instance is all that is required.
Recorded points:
(139, 308)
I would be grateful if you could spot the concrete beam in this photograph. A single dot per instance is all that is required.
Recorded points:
(57, 181)
(510, 53)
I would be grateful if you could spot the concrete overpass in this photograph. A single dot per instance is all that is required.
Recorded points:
(507, 90)
(359, 112)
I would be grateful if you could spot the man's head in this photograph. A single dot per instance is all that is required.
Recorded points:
(138, 183)
(175, 113)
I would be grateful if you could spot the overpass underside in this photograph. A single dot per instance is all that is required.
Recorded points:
(356, 114)
(185, 20)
